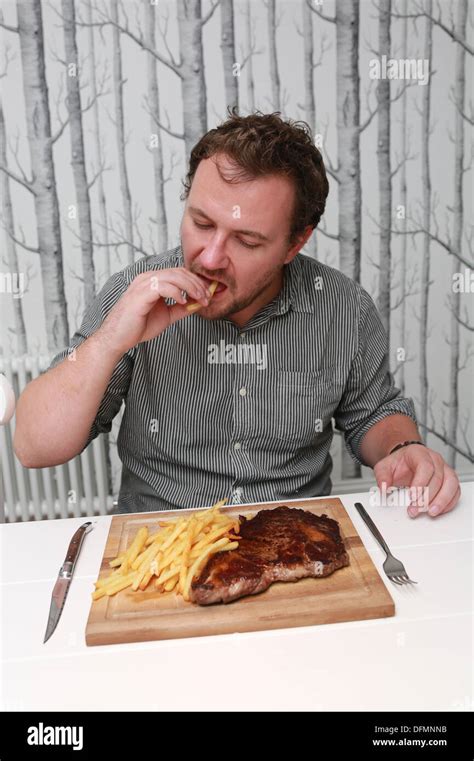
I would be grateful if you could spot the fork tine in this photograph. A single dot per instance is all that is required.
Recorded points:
(406, 578)
(395, 580)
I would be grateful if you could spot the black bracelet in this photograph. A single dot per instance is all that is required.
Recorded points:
(405, 444)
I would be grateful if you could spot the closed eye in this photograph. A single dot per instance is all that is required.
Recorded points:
(242, 243)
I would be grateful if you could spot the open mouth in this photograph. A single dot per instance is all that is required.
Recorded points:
(220, 286)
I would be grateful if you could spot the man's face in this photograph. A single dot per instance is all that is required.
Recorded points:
(237, 234)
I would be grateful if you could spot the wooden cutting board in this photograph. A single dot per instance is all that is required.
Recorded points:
(355, 592)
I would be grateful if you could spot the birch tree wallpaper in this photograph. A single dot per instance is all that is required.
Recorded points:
(101, 104)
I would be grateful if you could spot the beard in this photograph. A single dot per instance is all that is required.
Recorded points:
(234, 304)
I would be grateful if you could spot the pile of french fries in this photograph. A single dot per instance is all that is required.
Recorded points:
(171, 557)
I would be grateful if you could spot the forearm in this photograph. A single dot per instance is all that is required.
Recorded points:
(55, 412)
(384, 435)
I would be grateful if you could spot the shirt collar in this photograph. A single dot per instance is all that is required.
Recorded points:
(294, 291)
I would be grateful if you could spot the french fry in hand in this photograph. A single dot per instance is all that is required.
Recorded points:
(193, 306)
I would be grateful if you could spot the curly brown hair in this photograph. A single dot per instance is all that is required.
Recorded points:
(263, 144)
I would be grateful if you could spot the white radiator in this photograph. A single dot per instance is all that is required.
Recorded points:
(77, 488)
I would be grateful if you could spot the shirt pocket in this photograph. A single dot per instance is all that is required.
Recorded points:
(305, 402)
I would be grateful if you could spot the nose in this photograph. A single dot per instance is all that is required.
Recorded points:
(213, 256)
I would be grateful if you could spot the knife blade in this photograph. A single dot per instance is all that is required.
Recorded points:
(63, 582)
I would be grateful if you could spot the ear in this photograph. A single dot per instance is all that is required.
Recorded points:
(299, 244)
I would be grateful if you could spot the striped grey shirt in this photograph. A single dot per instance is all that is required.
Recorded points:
(213, 410)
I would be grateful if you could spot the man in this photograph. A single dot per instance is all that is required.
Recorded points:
(236, 399)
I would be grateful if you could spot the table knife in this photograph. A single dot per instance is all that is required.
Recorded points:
(63, 582)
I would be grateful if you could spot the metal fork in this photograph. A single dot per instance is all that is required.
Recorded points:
(394, 568)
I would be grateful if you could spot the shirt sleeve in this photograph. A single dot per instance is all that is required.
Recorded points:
(119, 382)
(370, 393)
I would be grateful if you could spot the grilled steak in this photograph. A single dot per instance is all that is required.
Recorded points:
(283, 544)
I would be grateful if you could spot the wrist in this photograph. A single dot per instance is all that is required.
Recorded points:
(403, 444)
(106, 345)
(384, 435)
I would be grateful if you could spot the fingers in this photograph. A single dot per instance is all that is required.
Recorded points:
(426, 473)
(447, 496)
(149, 295)
(189, 282)
(170, 291)
(443, 486)
(171, 283)
(453, 502)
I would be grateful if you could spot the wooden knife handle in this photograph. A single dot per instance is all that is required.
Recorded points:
(75, 544)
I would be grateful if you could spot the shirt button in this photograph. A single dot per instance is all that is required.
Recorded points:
(237, 445)
(237, 495)
(242, 391)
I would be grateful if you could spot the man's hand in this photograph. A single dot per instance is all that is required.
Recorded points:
(420, 467)
(141, 314)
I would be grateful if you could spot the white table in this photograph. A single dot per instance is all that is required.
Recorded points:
(421, 659)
